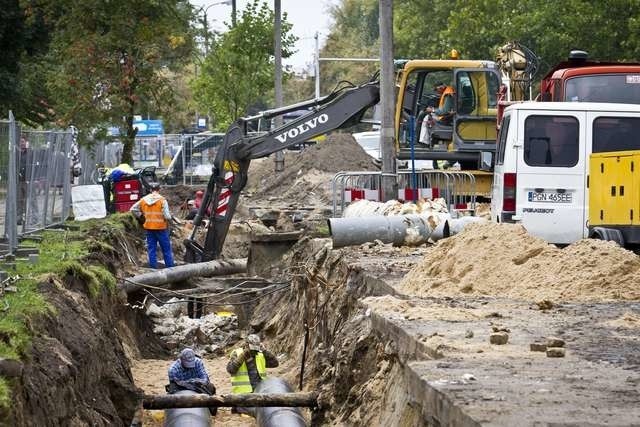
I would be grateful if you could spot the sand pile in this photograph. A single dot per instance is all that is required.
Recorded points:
(504, 260)
(307, 174)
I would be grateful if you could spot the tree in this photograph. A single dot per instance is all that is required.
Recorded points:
(354, 34)
(608, 30)
(24, 40)
(114, 60)
(238, 71)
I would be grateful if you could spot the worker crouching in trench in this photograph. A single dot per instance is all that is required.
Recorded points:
(189, 373)
(248, 366)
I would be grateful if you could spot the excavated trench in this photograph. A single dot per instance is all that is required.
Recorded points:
(374, 355)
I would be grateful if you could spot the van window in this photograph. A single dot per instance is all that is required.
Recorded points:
(551, 141)
(615, 134)
(502, 139)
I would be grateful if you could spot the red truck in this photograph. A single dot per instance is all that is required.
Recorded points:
(578, 79)
(583, 80)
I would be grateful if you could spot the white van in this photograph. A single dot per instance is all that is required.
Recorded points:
(541, 174)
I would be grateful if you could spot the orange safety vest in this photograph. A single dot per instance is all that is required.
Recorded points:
(153, 217)
(447, 92)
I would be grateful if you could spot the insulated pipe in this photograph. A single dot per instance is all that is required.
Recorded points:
(184, 272)
(277, 416)
(187, 417)
(401, 230)
(458, 224)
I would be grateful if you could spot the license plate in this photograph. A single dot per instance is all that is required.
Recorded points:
(549, 197)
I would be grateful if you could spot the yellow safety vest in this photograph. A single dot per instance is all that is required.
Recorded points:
(154, 218)
(240, 382)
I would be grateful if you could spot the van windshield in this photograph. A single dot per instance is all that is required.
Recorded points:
(616, 134)
(551, 141)
(621, 88)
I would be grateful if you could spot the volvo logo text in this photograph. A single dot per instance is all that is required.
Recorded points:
(302, 128)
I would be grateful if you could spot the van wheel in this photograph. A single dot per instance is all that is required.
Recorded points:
(608, 234)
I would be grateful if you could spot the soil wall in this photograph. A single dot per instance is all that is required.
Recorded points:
(360, 375)
(77, 372)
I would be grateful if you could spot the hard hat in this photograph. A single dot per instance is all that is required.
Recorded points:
(454, 54)
(254, 342)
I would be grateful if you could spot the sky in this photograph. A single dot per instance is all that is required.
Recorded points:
(307, 17)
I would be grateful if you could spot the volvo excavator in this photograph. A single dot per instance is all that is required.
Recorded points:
(344, 107)
(469, 139)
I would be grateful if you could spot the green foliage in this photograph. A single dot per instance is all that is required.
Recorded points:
(18, 308)
(24, 39)
(95, 278)
(239, 70)
(355, 34)
(5, 394)
(608, 30)
(112, 59)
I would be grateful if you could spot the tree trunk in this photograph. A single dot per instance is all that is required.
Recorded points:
(300, 399)
(128, 140)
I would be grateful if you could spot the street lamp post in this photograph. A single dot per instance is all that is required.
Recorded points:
(205, 27)
(205, 21)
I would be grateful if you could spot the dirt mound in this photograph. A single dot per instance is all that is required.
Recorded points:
(504, 260)
(307, 174)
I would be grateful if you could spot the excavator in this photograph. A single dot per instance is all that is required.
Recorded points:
(469, 139)
(344, 107)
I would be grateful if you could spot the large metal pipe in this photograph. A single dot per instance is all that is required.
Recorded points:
(456, 225)
(277, 416)
(184, 272)
(401, 230)
(187, 417)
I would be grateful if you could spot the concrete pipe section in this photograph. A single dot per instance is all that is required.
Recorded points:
(401, 230)
(187, 417)
(458, 224)
(277, 416)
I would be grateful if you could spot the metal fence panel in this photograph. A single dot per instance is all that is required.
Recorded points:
(44, 178)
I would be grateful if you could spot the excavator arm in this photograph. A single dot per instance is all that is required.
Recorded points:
(340, 109)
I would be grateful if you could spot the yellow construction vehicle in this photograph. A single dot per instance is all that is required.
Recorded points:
(464, 134)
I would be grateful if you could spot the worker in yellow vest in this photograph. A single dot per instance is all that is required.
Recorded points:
(155, 210)
(248, 366)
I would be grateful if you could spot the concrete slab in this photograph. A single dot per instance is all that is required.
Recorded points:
(462, 379)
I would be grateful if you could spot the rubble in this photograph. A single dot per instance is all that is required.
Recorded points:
(209, 334)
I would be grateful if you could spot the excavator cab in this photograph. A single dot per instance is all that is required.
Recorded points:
(461, 129)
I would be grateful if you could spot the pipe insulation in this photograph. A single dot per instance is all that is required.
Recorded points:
(401, 230)
(187, 417)
(277, 416)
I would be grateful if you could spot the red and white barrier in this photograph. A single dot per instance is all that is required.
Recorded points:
(353, 194)
(407, 194)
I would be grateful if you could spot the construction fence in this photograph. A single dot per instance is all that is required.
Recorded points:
(35, 179)
(180, 158)
(457, 188)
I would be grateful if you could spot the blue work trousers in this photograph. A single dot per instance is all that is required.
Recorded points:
(153, 238)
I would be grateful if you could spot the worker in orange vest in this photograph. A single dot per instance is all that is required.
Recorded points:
(155, 211)
(444, 112)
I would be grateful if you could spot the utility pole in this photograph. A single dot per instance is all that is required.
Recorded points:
(317, 65)
(277, 43)
(387, 101)
(233, 13)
